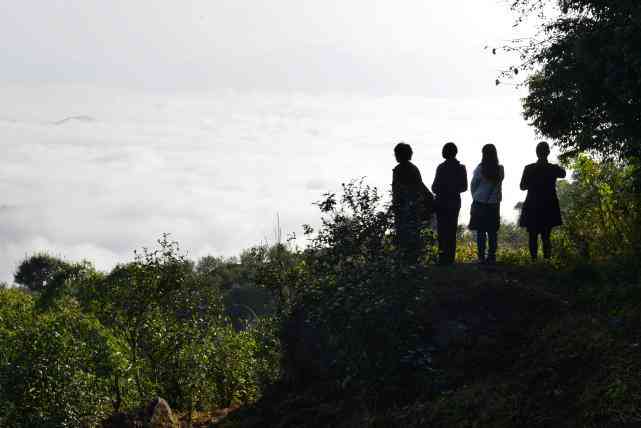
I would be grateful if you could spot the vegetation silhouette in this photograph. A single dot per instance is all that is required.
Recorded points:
(348, 334)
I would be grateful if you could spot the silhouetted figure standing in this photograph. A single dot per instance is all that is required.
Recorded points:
(409, 196)
(485, 215)
(541, 211)
(450, 181)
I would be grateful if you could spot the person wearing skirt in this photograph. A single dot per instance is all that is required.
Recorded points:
(485, 214)
(541, 211)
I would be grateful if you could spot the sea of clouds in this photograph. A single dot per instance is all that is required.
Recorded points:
(94, 173)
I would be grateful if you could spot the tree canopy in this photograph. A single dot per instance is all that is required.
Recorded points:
(36, 271)
(585, 88)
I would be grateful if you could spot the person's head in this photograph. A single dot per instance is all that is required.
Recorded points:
(403, 152)
(490, 162)
(489, 154)
(542, 150)
(449, 150)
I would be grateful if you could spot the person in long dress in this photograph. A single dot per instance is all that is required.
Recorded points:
(541, 211)
(485, 215)
(450, 181)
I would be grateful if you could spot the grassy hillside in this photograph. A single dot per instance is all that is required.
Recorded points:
(508, 346)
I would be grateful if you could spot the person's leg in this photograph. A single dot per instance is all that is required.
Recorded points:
(408, 238)
(440, 234)
(547, 244)
(492, 238)
(534, 244)
(447, 237)
(446, 228)
(451, 241)
(480, 245)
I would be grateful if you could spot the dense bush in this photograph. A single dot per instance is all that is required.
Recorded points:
(57, 369)
(353, 296)
(87, 343)
(180, 341)
(601, 212)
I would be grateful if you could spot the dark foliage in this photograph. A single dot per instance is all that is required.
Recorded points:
(585, 91)
(36, 271)
(352, 314)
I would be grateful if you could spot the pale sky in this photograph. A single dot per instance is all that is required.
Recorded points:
(432, 48)
(205, 118)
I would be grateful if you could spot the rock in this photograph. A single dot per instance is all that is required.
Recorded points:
(156, 414)
(161, 415)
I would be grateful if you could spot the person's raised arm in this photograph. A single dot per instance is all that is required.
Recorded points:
(560, 173)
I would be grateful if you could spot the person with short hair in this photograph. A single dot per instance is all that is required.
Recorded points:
(485, 214)
(541, 211)
(409, 194)
(450, 181)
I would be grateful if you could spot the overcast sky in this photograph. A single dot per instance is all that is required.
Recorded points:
(205, 118)
(418, 47)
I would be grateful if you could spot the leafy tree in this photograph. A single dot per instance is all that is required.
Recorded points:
(89, 342)
(36, 271)
(179, 339)
(244, 300)
(137, 300)
(219, 271)
(70, 280)
(600, 211)
(56, 368)
(585, 89)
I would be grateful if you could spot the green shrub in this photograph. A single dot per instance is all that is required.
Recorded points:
(601, 212)
(359, 299)
(58, 368)
(181, 344)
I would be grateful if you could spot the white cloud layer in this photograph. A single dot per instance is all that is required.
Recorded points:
(214, 168)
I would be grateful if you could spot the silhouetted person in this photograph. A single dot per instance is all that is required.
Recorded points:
(450, 181)
(409, 196)
(485, 215)
(541, 211)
